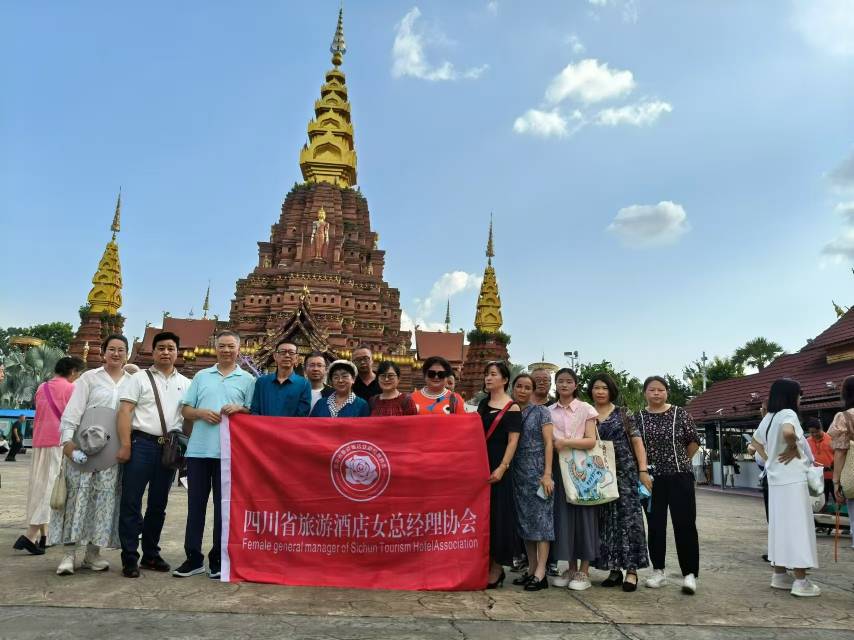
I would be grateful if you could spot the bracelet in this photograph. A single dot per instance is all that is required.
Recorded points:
(643, 470)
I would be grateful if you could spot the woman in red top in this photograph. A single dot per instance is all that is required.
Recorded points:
(390, 401)
(50, 400)
(433, 397)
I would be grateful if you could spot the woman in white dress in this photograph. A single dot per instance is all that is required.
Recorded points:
(90, 519)
(779, 440)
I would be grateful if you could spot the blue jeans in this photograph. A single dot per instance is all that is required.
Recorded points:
(202, 477)
(141, 471)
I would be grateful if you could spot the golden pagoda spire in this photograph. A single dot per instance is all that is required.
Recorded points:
(448, 317)
(106, 294)
(330, 156)
(488, 315)
(206, 306)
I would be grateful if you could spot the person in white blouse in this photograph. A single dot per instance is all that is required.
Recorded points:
(779, 440)
(89, 520)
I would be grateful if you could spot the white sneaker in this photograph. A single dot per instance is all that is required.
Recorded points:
(579, 582)
(804, 588)
(93, 560)
(656, 580)
(562, 580)
(782, 581)
(689, 584)
(66, 567)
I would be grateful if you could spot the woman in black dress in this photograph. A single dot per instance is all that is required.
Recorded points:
(501, 445)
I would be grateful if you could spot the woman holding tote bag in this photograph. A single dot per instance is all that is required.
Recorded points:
(576, 526)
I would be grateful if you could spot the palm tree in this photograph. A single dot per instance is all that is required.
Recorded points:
(25, 371)
(757, 353)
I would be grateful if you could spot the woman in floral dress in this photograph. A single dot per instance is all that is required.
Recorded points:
(622, 541)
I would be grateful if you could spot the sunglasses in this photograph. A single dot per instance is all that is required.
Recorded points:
(436, 374)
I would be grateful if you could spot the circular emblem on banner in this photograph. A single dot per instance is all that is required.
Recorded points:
(360, 470)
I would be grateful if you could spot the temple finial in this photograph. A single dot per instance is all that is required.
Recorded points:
(448, 317)
(338, 47)
(206, 305)
(490, 253)
(116, 226)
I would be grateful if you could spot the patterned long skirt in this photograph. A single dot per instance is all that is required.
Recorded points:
(91, 513)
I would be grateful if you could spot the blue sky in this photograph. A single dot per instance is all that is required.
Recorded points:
(665, 177)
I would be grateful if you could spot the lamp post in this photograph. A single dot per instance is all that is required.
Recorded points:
(572, 358)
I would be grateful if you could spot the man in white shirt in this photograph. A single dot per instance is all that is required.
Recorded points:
(314, 368)
(141, 433)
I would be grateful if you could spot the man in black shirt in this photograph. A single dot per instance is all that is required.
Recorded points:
(366, 385)
(16, 438)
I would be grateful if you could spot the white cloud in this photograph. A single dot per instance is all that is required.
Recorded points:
(846, 210)
(492, 7)
(841, 249)
(827, 25)
(628, 8)
(842, 177)
(650, 224)
(589, 81)
(448, 285)
(575, 44)
(545, 124)
(638, 114)
(409, 57)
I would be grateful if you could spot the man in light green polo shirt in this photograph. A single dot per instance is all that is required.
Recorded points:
(221, 390)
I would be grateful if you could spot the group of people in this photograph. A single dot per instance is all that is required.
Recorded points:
(527, 434)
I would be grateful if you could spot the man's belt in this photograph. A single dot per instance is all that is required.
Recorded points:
(147, 436)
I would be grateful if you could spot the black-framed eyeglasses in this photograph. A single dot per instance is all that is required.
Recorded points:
(286, 352)
(431, 373)
(388, 376)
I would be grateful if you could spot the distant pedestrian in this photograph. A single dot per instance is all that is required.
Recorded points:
(822, 452)
(791, 526)
(727, 464)
(16, 438)
(50, 400)
(841, 433)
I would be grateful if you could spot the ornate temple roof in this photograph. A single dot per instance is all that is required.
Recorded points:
(106, 293)
(488, 315)
(330, 156)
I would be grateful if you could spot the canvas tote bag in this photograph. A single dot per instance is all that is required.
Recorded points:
(589, 475)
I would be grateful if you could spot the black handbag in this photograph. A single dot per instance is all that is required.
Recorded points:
(174, 443)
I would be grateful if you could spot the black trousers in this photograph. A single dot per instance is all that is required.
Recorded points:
(14, 448)
(675, 492)
(202, 478)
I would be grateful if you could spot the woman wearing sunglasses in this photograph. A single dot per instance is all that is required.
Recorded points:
(343, 403)
(433, 397)
(390, 401)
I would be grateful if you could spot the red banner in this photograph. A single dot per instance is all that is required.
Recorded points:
(371, 503)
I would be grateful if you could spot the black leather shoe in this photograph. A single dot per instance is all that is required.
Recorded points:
(23, 543)
(130, 571)
(614, 579)
(522, 580)
(628, 585)
(155, 564)
(497, 583)
(537, 585)
(43, 542)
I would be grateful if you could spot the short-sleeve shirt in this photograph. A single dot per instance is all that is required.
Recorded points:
(569, 420)
(667, 436)
(841, 430)
(288, 399)
(769, 434)
(366, 391)
(212, 390)
(146, 418)
(46, 423)
(438, 406)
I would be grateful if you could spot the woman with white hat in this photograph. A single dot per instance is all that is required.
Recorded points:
(89, 519)
(343, 403)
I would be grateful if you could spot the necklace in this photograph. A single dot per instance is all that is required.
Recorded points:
(433, 396)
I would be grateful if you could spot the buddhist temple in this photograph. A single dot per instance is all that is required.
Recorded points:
(319, 277)
(100, 316)
(487, 342)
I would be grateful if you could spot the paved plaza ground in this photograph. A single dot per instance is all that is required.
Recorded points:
(734, 599)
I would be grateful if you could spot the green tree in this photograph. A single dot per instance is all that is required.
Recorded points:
(757, 353)
(679, 393)
(25, 371)
(631, 389)
(716, 370)
(55, 334)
